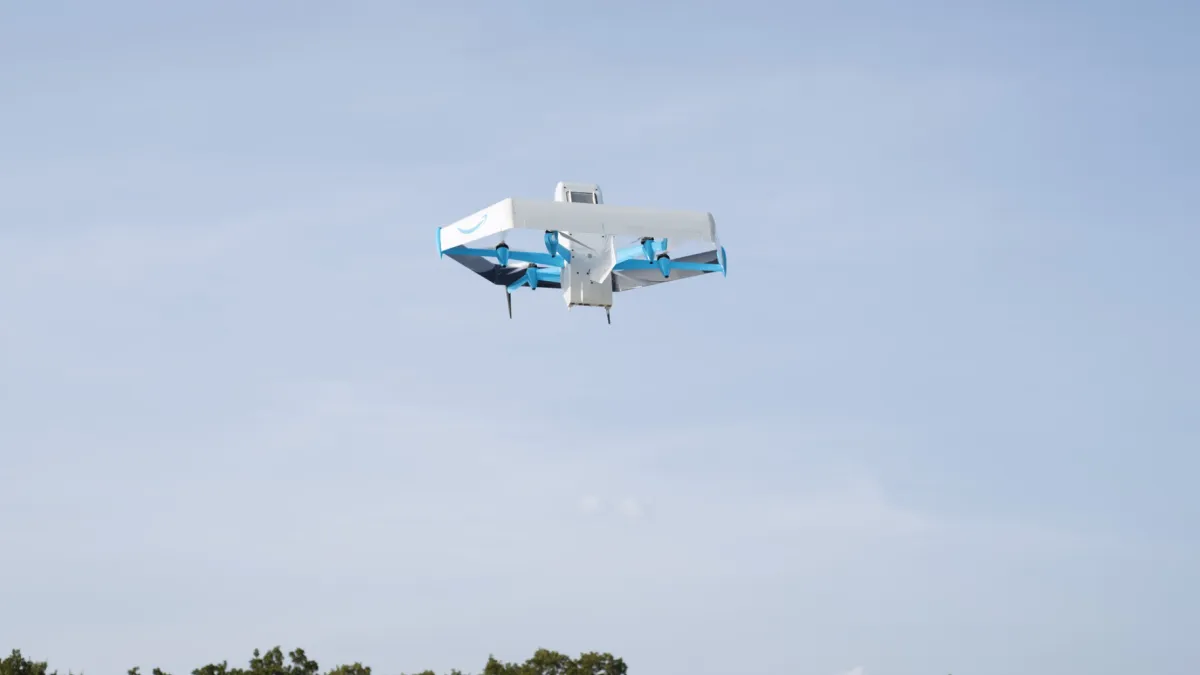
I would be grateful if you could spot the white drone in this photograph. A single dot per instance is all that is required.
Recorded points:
(582, 255)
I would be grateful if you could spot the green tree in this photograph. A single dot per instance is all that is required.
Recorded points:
(547, 662)
(595, 663)
(16, 664)
(138, 671)
(272, 662)
(355, 668)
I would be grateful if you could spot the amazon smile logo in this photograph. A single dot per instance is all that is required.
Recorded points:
(469, 230)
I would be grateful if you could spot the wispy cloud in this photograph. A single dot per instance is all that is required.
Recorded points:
(860, 506)
(108, 251)
(591, 504)
(631, 507)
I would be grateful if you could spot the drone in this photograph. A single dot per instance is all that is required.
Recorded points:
(591, 249)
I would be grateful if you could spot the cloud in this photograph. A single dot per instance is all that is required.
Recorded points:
(626, 507)
(859, 505)
(129, 252)
(590, 504)
(631, 508)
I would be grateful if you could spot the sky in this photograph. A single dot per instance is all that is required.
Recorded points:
(940, 417)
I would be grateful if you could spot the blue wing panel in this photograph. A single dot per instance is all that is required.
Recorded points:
(639, 273)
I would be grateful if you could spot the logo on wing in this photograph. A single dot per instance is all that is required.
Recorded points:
(469, 230)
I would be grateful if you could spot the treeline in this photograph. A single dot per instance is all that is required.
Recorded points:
(543, 662)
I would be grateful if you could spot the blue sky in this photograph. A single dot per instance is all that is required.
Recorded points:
(940, 417)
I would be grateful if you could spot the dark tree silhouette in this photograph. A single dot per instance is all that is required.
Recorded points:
(272, 662)
(15, 664)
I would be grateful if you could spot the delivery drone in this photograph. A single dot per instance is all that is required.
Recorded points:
(582, 256)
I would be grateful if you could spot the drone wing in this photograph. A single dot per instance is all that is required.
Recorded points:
(505, 276)
(649, 274)
(528, 214)
(645, 264)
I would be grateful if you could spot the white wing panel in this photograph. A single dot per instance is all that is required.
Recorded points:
(613, 220)
(494, 219)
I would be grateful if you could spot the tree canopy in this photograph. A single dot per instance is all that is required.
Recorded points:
(272, 662)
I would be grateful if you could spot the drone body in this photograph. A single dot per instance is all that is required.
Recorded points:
(581, 245)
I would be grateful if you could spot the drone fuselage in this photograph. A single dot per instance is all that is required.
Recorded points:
(591, 254)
